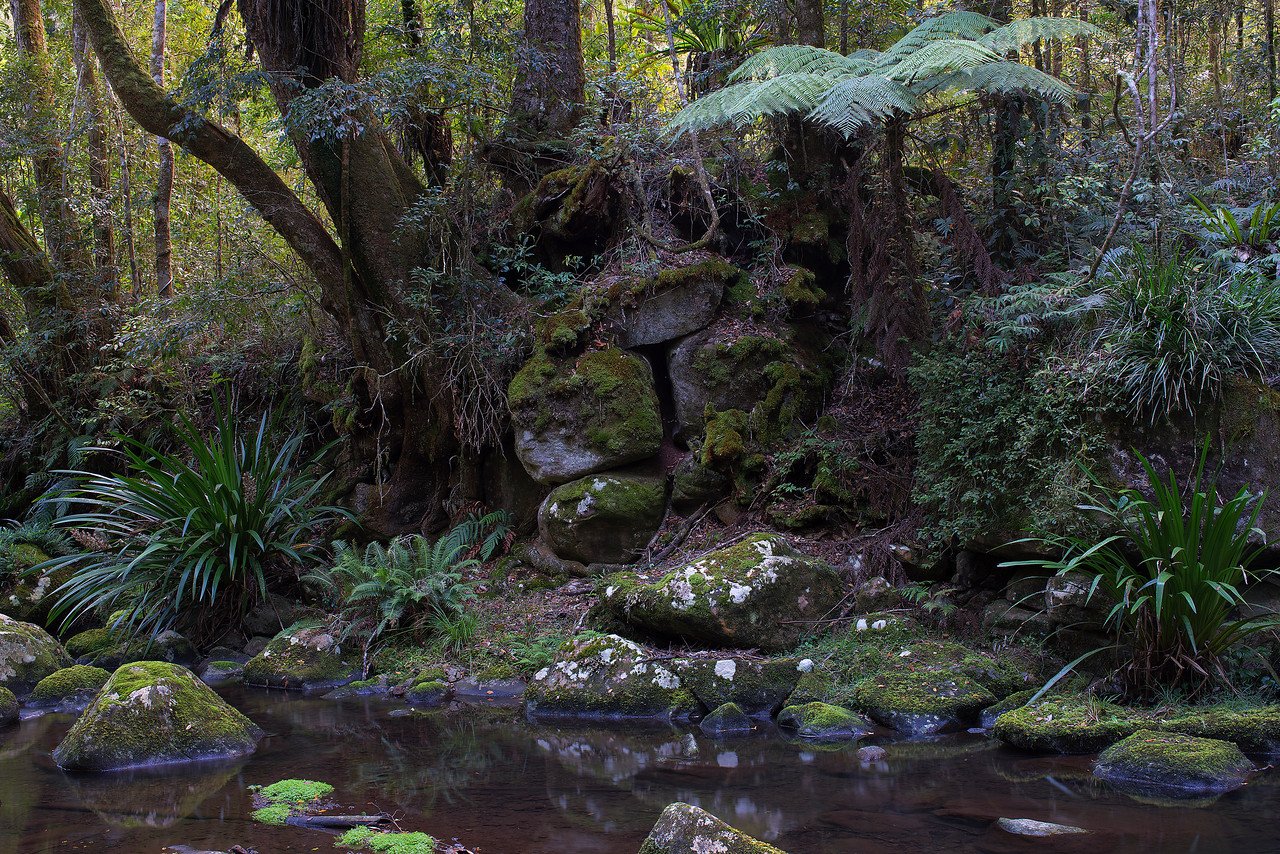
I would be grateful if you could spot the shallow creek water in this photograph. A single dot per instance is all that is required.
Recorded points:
(503, 786)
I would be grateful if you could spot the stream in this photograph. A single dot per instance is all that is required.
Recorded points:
(504, 786)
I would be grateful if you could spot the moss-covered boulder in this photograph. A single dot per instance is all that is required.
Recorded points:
(1075, 725)
(602, 518)
(1256, 730)
(70, 687)
(756, 369)
(1173, 765)
(27, 654)
(90, 642)
(670, 305)
(987, 719)
(428, 690)
(823, 722)
(580, 415)
(8, 708)
(304, 657)
(759, 688)
(694, 484)
(759, 593)
(154, 712)
(922, 702)
(685, 829)
(222, 672)
(110, 648)
(25, 595)
(605, 676)
(728, 719)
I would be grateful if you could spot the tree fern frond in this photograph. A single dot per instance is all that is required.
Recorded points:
(797, 59)
(940, 57)
(952, 25)
(1006, 78)
(743, 103)
(1017, 34)
(855, 103)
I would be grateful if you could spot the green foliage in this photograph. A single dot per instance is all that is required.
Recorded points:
(367, 839)
(191, 537)
(1176, 567)
(413, 584)
(996, 445)
(281, 800)
(1169, 331)
(953, 52)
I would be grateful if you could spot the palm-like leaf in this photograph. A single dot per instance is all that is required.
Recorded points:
(1018, 34)
(942, 56)
(800, 59)
(853, 104)
(1004, 78)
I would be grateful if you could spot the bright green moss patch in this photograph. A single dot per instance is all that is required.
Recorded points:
(273, 814)
(1067, 725)
(367, 839)
(91, 641)
(1164, 763)
(1253, 729)
(277, 802)
(77, 680)
(822, 722)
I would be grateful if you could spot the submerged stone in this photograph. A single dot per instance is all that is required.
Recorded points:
(602, 518)
(1173, 765)
(758, 593)
(922, 703)
(823, 722)
(222, 672)
(605, 676)
(759, 688)
(150, 713)
(1031, 827)
(728, 719)
(303, 657)
(27, 654)
(685, 829)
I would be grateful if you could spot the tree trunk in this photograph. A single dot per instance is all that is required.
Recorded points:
(810, 26)
(1269, 23)
(104, 241)
(550, 86)
(164, 165)
(1004, 149)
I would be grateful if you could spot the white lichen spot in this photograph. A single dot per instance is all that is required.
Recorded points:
(879, 624)
(541, 674)
(805, 665)
(606, 655)
(726, 668)
(861, 625)
(664, 678)
(738, 593)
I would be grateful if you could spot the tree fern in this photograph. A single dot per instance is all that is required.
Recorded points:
(1018, 34)
(860, 101)
(800, 59)
(938, 57)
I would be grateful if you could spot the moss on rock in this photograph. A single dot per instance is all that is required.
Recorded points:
(303, 657)
(8, 707)
(153, 712)
(78, 682)
(605, 676)
(1256, 730)
(682, 829)
(574, 417)
(759, 593)
(27, 654)
(757, 687)
(728, 719)
(91, 641)
(602, 518)
(387, 842)
(1173, 764)
(823, 722)
(922, 702)
(1074, 725)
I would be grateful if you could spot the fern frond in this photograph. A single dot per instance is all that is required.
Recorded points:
(743, 103)
(1006, 78)
(1017, 34)
(855, 103)
(952, 25)
(940, 57)
(797, 59)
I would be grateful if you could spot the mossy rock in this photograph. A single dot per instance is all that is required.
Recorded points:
(605, 676)
(577, 416)
(823, 722)
(759, 688)
(683, 829)
(1256, 730)
(74, 685)
(1074, 725)
(728, 719)
(154, 712)
(91, 642)
(694, 484)
(428, 692)
(8, 708)
(603, 518)
(670, 305)
(112, 648)
(364, 838)
(26, 596)
(991, 713)
(760, 593)
(304, 657)
(222, 672)
(1166, 764)
(27, 654)
(922, 703)
(277, 803)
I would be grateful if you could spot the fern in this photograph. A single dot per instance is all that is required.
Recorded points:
(1018, 34)
(939, 57)
(799, 59)
(860, 101)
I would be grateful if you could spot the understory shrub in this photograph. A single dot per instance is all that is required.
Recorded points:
(190, 539)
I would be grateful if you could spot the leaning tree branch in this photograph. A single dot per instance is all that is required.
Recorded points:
(232, 158)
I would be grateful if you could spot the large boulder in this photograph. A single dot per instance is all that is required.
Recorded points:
(602, 518)
(1073, 725)
(154, 712)
(605, 676)
(69, 688)
(27, 654)
(685, 829)
(304, 657)
(823, 722)
(577, 416)
(923, 703)
(759, 688)
(759, 593)
(8, 707)
(670, 305)
(1173, 765)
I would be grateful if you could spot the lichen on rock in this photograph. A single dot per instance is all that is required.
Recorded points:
(27, 654)
(605, 676)
(153, 712)
(759, 688)
(685, 829)
(303, 657)
(759, 593)
(602, 518)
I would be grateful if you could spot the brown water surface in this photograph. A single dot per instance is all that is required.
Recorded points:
(504, 786)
